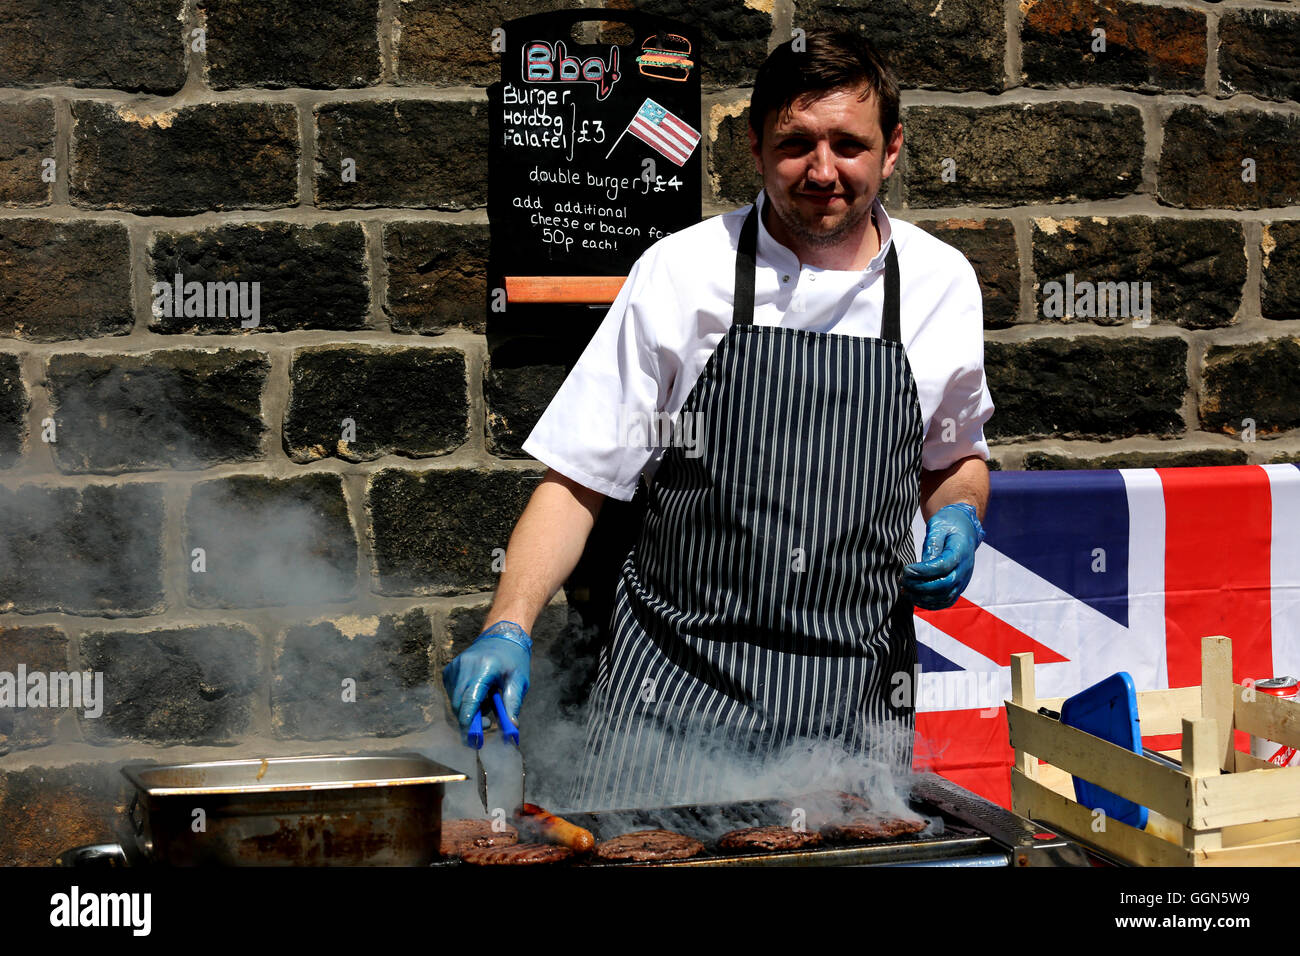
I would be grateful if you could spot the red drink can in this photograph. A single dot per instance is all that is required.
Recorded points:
(1280, 755)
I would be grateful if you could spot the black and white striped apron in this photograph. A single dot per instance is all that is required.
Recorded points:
(760, 607)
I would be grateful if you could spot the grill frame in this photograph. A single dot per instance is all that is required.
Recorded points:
(976, 832)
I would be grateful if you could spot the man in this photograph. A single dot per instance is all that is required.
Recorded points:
(824, 366)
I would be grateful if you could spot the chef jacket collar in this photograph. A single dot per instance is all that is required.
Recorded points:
(782, 257)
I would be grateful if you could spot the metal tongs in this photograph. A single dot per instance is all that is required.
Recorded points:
(474, 737)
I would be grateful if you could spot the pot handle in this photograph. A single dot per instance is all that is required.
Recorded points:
(94, 854)
(136, 823)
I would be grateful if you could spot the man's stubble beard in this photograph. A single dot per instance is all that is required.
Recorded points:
(796, 227)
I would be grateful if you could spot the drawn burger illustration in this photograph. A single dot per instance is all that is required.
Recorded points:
(666, 56)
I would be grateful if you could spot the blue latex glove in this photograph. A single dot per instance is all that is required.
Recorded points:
(947, 559)
(499, 657)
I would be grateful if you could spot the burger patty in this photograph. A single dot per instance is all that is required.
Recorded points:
(831, 804)
(460, 835)
(644, 845)
(769, 838)
(824, 808)
(862, 829)
(520, 854)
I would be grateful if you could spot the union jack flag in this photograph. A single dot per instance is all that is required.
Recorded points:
(1104, 571)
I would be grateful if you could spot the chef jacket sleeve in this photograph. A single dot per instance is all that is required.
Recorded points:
(957, 429)
(615, 390)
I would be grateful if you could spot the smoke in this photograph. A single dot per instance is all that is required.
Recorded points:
(267, 542)
(728, 788)
(666, 768)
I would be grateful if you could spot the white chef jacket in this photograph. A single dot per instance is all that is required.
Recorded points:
(676, 306)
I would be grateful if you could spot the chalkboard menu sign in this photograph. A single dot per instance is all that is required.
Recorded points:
(595, 148)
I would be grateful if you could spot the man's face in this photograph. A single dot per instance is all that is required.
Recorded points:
(822, 165)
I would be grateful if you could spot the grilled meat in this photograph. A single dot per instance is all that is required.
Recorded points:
(461, 835)
(827, 806)
(548, 826)
(520, 854)
(769, 838)
(863, 829)
(647, 845)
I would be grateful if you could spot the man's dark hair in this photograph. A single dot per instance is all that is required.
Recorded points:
(830, 60)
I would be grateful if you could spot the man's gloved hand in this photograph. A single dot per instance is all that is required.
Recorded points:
(499, 657)
(947, 559)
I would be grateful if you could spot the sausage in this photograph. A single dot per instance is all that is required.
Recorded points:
(556, 830)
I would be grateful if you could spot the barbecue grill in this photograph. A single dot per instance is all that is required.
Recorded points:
(964, 830)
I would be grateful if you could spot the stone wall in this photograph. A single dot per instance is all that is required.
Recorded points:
(229, 521)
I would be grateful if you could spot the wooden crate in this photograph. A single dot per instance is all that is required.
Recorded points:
(1199, 815)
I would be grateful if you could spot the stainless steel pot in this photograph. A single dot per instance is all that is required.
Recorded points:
(366, 809)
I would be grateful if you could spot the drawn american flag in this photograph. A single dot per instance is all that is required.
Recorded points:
(665, 132)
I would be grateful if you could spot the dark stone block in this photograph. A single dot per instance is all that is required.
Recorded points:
(37, 650)
(389, 660)
(183, 409)
(1203, 152)
(451, 44)
(1259, 53)
(426, 154)
(521, 378)
(1013, 155)
(26, 141)
(444, 531)
(186, 160)
(1252, 385)
(437, 276)
(1198, 458)
(1086, 388)
(270, 542)
(1196, 267)
(948, 46)
(298, 43)
(1149, 48)
(14, 403)
(192, 685)
(308, 277)
(94, 550)
(1280, 283)
(412, 402)
(731, 161)
(990, 247)
(64, 280)
(132, 45)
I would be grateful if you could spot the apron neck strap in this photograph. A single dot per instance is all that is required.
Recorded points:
(742, 312)
(746, 261)
(889, 325)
